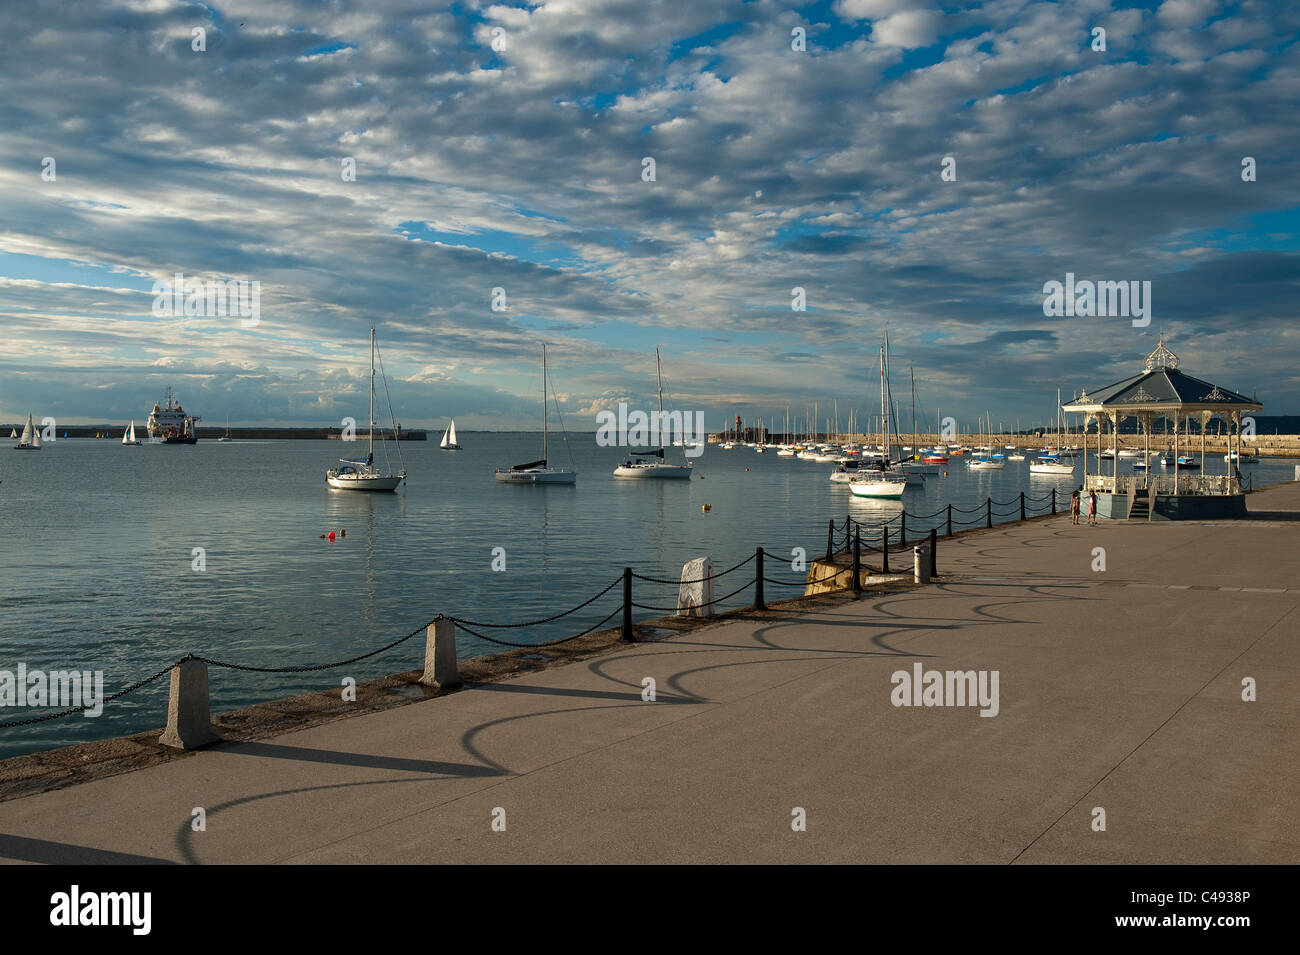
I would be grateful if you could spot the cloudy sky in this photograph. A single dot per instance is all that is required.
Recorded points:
(503, 146)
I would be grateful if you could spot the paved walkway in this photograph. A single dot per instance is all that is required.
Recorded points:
(1118, 689)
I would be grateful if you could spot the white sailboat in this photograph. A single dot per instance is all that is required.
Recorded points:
(537, 472)
(128, 437)
(360, 474)
(226, 437)
(1054, 464)
(873, 483)
(31, 438)
(651, 464)
(449, 438)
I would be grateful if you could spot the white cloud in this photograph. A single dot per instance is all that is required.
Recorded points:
(868, 9)
(908, 29)
(1187, 13)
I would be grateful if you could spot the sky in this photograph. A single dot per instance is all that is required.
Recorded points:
(503, 147)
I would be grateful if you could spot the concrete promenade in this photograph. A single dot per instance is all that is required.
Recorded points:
(1119, 689)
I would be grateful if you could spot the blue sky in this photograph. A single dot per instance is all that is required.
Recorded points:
(520, 168)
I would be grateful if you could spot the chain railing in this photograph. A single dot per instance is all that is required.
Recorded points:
(853, 536)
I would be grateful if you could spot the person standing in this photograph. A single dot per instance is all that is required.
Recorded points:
(1092, 507)
(1074, 506)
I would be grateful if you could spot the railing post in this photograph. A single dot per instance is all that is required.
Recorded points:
(1022, 505)
(989, 520)
(857, 560)
(1053, 502)
(902, 528)
(949, 520)
(934, 553)
(758, 580)
(440, 669)
(189, 724)
(884, 547)
(627, 606)
(830, 536)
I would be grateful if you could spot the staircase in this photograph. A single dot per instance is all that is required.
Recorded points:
(1140, 509)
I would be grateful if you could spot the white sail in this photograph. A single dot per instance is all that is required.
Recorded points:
(31, 438)
(452, 431)
(13, 432)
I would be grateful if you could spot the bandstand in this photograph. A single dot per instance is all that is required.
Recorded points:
(1174, 485)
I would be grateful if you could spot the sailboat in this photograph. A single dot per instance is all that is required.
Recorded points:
(651, 464)
(449, 438)
(13, 432)
(31, 438)
(1051, 463)
(537, 472)
(879, 484)
(226, 436)
(128, 437)
(360, 474)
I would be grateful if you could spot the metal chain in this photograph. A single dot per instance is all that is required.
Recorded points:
(535, 623)
(108, 699)
(548, 643)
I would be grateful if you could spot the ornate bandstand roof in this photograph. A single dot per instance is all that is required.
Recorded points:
(1162, 388)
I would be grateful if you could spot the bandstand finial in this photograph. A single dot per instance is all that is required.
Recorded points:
(1161, 357)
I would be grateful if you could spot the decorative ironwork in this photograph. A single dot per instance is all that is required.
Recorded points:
(1141, 395)
(1161, 357)
(1215, 395)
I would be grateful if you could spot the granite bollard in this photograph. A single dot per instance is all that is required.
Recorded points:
(440, 669)
(695, 595)
(189, 721)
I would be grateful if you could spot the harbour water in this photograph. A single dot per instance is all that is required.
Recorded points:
(97, 560)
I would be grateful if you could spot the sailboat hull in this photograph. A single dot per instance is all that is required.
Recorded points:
(654, 471)
(537, 476)
(364, 482)
(878, 489)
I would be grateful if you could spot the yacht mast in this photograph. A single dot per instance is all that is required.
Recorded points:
(544, 422)
(371, 437)
(659, 377)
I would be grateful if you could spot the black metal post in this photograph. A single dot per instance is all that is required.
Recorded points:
(758, 580)
(1022, 505)
(902, 529)
(857, 560)
(1053, 502)
(989, 520)
(830, 537)
(627, 605)
(949, 520)
(934, 553)
(884, 547)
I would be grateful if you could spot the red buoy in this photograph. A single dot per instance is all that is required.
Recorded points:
(331, 536)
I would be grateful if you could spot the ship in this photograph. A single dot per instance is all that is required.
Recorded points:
(169, 424)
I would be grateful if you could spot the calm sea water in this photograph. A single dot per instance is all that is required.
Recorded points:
(97, 548)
